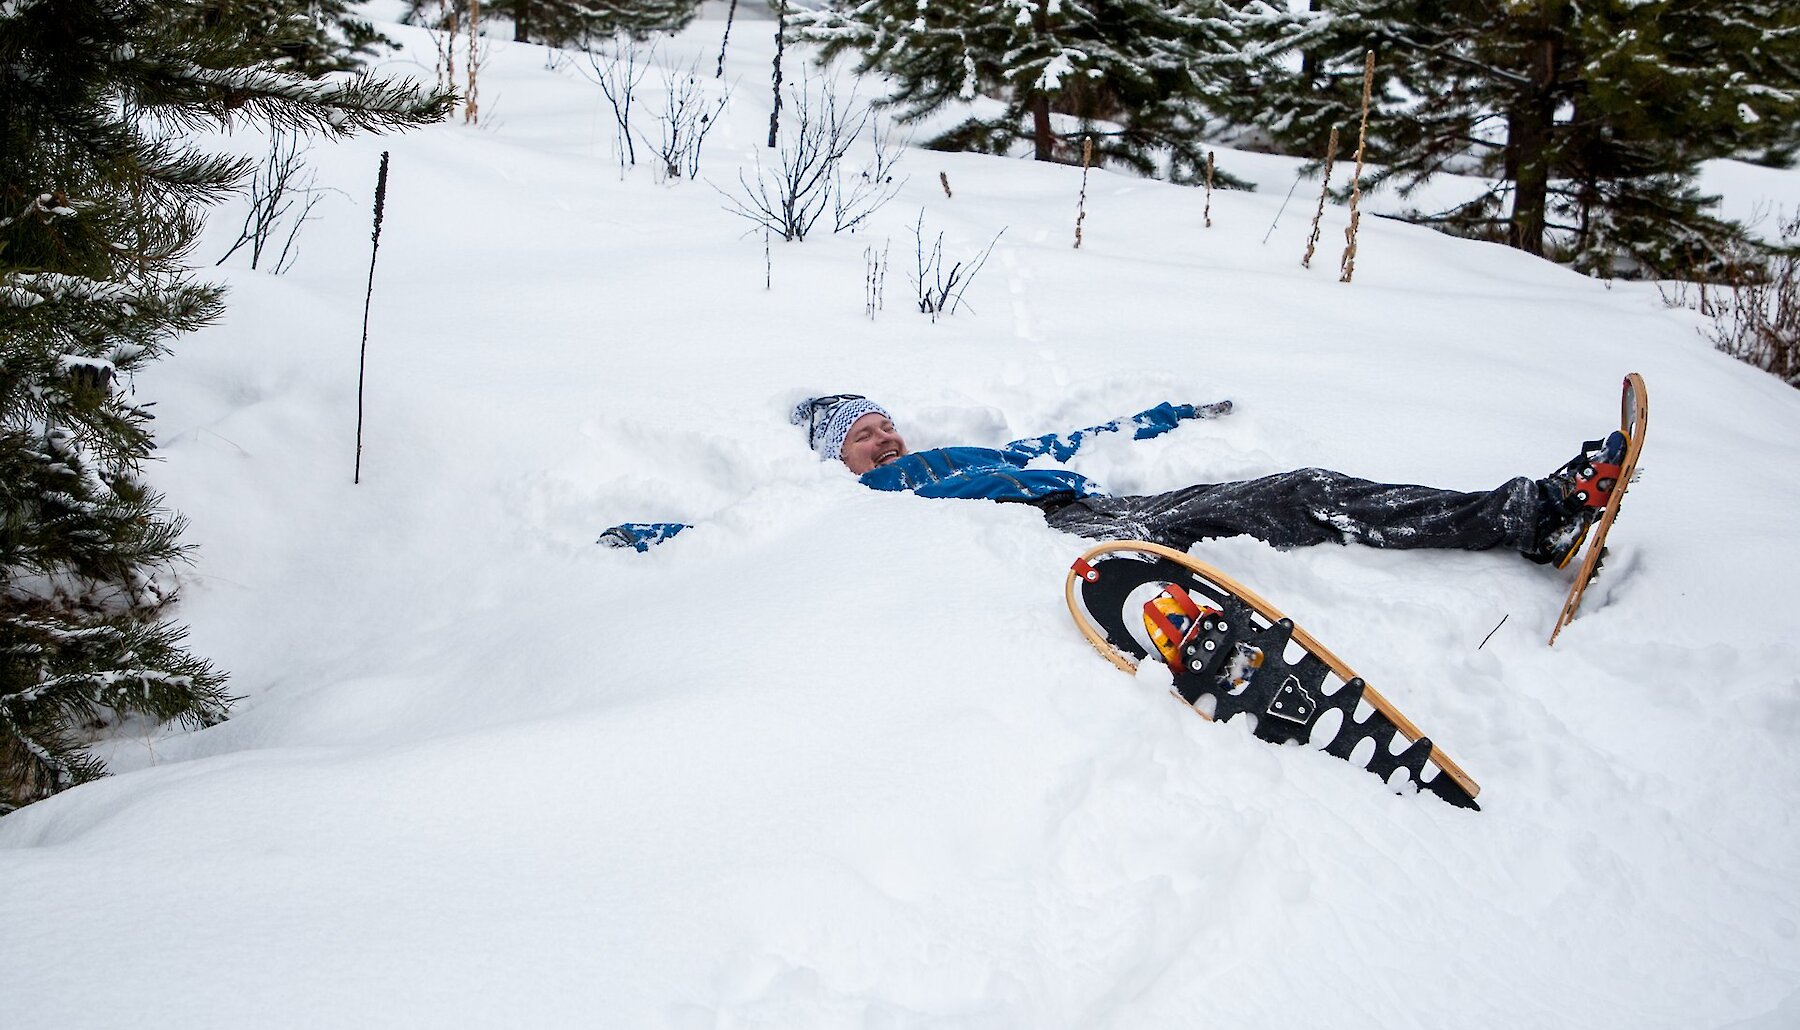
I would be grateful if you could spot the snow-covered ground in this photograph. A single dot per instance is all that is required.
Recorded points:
(837, 758)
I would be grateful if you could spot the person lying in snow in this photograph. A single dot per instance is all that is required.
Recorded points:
(1543, 519)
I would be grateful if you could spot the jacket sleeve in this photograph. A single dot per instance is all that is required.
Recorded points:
(1145, 424)
(640, 536)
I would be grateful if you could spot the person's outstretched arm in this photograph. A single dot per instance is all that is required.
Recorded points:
(640, 536)
(1145, 424)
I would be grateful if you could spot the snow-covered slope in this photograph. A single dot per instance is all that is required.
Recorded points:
(839, 758)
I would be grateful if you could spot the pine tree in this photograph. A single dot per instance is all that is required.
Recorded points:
(1134, 74)
(1589, 118)
(100, 198)
(570, 22)
(639, 19)
(550, 22)
(1296, 108)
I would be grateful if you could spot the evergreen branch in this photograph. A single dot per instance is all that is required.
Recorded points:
(1440, 51)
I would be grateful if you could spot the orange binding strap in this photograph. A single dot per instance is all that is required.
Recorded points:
(1597, 489)
(1189, 607)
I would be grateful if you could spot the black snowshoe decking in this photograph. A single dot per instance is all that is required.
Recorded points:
(1233, 654)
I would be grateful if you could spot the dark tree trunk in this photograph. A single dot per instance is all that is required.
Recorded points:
(1312, 77)
(521, 14)
(1043, 139)
(1309, 59)
(1530, 141)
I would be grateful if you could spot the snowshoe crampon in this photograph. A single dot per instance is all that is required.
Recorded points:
(1232, 654)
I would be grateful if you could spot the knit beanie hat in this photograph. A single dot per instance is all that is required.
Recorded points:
(828, 420)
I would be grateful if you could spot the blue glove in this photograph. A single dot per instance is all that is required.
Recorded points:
(1216, 409)
(1165, 416)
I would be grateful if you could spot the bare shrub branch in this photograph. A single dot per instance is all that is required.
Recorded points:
(940, 290)
(1756, 315)
(805, 180)
(617, 66)
(688, 115)
(860, 194)
(279, 185)
(1753, 302)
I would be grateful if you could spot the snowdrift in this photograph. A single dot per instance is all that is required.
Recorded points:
(838, 758)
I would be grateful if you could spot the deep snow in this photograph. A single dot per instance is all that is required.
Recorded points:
(840, 758)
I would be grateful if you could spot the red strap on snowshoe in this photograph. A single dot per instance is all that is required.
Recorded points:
(1189, 607)
(1597, 484)
(1169, 632)
(1190, 610)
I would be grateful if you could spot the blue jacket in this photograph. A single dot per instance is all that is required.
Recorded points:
(985, 473)
(982, 473)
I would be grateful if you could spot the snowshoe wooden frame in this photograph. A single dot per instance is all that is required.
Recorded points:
(1634, 418)
(1287, 699)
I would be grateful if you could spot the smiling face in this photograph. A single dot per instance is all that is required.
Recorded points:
(872, 441)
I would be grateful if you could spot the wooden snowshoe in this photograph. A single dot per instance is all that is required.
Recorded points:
(1634, 417)
(1233, 654)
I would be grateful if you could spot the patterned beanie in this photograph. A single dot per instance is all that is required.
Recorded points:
(828, 420)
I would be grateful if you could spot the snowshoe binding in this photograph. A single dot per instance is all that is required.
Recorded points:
(1573, 497)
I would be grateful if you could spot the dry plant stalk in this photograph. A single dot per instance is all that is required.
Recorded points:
(1324, 190)
(446, 48)
(362, 356)
(730, 16)
(944, 180)
(469, 107)
(1207, 214)
(874, 278)
(1087, 158)
(1362, 139)
(775, 76)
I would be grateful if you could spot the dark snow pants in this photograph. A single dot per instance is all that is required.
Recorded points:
(1312, 506)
